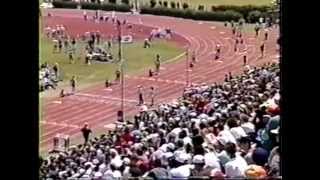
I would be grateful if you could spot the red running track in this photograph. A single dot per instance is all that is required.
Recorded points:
(98, 105)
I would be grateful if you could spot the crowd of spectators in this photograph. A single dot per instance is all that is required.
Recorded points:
(227, 130)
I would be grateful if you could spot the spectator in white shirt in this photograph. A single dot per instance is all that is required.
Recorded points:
(237, 166)
(236, 130)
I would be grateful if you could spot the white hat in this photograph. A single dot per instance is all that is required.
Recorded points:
(143, 108)
(98, 174)
(204, 120)
(177, 118)
(193, 114)
(203, 116)
(89, 163)
(171, 146)
(99, 152)
(198, 159)
(183, 108)
(81, 171)
(126, 160)
(95, 161)
(182, 157)
(212, 118)
(164, 147)
(196, 120)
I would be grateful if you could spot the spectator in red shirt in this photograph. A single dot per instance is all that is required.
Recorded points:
(127, 137)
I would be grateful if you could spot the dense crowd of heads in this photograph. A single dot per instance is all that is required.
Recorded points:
(219, 130)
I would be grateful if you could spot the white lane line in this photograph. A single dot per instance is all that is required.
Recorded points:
(60, 124)
(105, 97)
(159, 79)
(110, 126)
(57, 102)
(107, 89)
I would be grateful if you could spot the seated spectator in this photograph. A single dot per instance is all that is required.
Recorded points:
(236, 167)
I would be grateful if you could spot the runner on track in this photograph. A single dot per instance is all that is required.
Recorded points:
(140, 94)
(193, 58)
(262, 49)
(236, 45)
(152, 95)
(85, 16)
(245, 60)
(218, 50)
(73, 84)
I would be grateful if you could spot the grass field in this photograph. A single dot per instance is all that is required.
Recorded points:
(209, 3)
(136, 57)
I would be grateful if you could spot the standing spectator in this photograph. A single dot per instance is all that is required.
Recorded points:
(59, 45)
(55, 46)
(73, 43)
(109, 44)
(157, 64)
(256, 29)
(97, 14)
(152, 95)
(86, 132)
(66, 45)
(140, 94)
(73, 84)
(71, 57)
(62, 93)
(56, 70)
(118, 75)
(266, 34)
